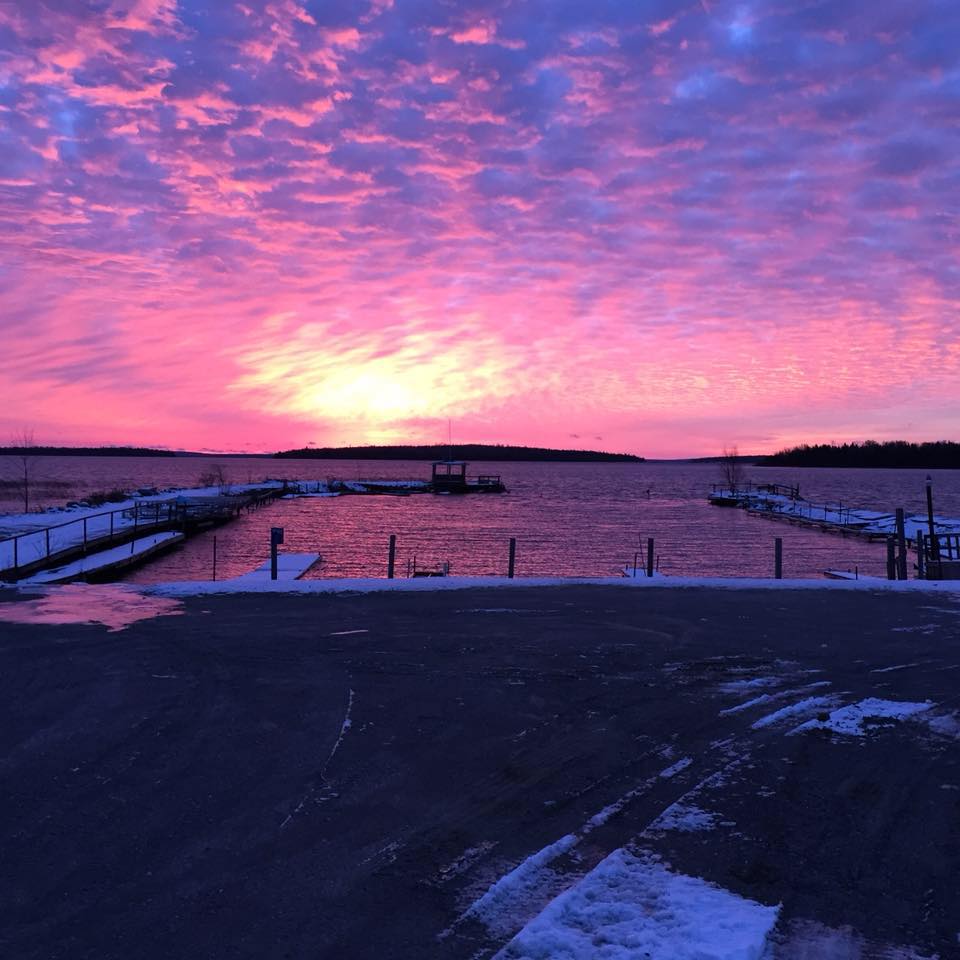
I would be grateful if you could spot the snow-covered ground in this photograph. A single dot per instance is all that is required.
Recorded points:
(377, 584)
(633, 906)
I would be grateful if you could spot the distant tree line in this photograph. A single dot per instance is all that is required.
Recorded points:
(942, 454)
(43, 451)
(457, 451)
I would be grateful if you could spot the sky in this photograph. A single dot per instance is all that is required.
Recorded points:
(652, 226)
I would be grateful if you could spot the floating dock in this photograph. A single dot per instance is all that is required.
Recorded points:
(290, 566)
(105, 564)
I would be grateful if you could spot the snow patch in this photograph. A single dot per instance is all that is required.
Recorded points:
(851, 720)
(508, 901)
(631, 906)
(802, 706)
(675, 768)
(685, 818)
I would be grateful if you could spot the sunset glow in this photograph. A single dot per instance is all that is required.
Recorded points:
(655, 227)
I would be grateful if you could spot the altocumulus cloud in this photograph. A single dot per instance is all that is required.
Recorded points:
(680, 222)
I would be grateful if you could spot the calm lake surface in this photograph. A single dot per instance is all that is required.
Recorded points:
(569, 519)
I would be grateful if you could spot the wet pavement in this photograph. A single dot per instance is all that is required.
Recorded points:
(418, 775)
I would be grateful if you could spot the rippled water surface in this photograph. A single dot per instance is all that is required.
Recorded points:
(569, 519)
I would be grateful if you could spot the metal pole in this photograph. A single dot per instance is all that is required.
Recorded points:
(901, 546)
(778, 558)
(636, 560)
(513, 557)
(934, 546)
(391, 556)
(273, 558)
(649, 556)
(214, 558)
(891, 559)
(921, 573)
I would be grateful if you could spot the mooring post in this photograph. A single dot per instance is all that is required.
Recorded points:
(513, 557)
(778, 558)
(391, 556)
(901, 546)
(649, 556)
(891, 559)
(276, 538)
(934, 546)
(214, 558)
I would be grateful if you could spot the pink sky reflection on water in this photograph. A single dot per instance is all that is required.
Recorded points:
(657, 228)
(116, 607)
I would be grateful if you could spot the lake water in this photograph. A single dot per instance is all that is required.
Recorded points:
(569, 519)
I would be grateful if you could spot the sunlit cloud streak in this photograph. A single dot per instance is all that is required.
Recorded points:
(672, 224)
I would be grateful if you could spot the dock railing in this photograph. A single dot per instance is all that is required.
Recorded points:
(938, 556)
(25, 552)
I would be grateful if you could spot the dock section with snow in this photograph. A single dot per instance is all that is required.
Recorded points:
(290, 566)
(105, 563)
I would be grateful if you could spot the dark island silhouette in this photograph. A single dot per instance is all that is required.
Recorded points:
(457, 451)
(939, 455)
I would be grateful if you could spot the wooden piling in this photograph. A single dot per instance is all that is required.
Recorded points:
(391, 556)
(901, 546)
(778, 558)
(511, 563)
(649, 556)
(214, 558)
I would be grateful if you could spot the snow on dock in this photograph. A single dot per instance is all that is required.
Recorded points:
(290, 566)
(38, 541)
(786, 503)
(109, 561)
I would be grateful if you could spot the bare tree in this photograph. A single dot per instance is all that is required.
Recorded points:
(25, 458)
(730, 469)
(215, 476)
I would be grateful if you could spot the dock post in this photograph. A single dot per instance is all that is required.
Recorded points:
(778, 558)
(650, 557)
(391, 556)
(214, 558)
(901, 546)
(921, 572)
(513, 557)
(84, 536)
(276, 538)
(891, 559)
(934, 546)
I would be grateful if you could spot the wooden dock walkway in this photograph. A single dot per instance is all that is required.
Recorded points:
(55, 545)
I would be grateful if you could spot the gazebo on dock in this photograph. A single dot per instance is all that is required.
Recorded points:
(449, 476)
